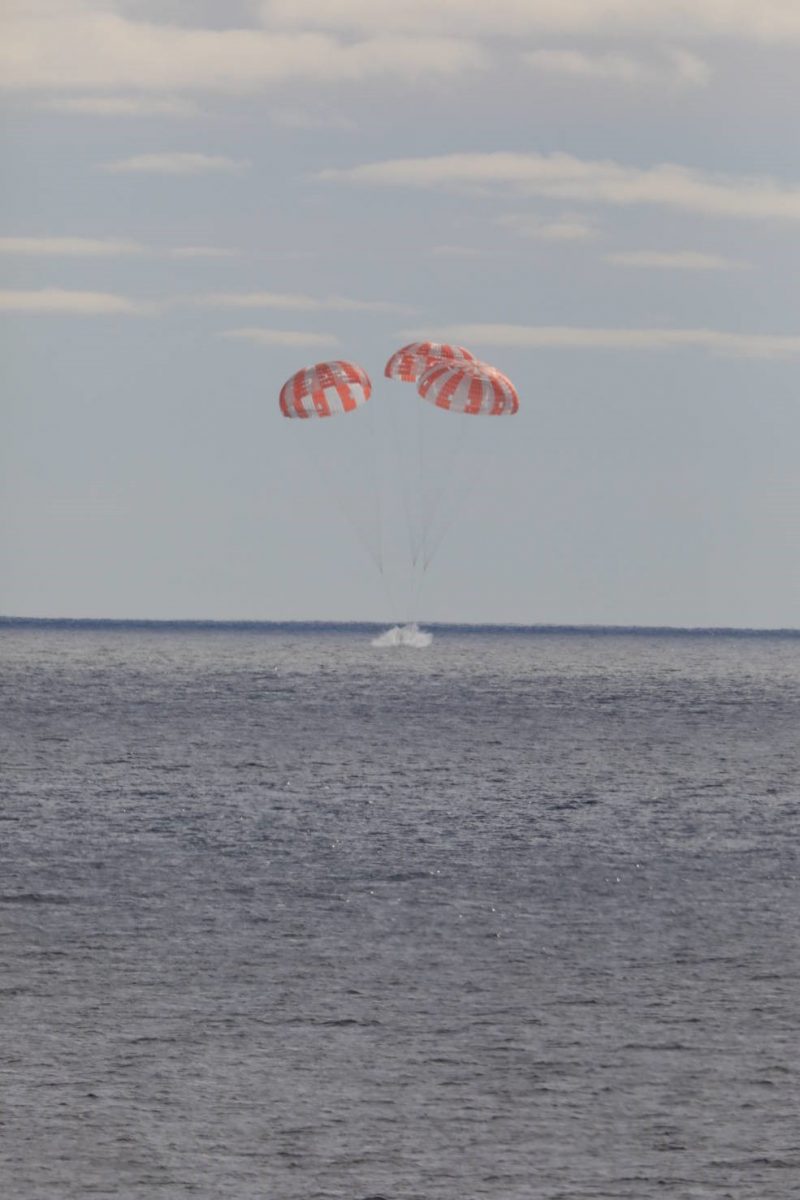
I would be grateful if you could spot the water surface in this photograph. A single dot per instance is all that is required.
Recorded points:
(285, 915)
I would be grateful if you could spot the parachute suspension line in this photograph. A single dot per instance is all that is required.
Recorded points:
(399, 436)
(391, 600)
(421, 506)
(471, 389)
(421, 476)
(376, 485)
(441, 496)
(387, 471)
(328, 390)
(378, 475)
(429, 485)
(416, 599)
(397, 417)
(420, 499)
(473, 476)
(371, 546)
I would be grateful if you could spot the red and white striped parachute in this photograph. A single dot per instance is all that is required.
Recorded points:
(325, 390)
(401, 506)
(473, 388)
(409, 363)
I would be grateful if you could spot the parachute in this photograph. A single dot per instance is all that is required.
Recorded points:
(325, 390)
(399, 473)
(340, 455)
(408, 363)
(450, 378)
(474, 389)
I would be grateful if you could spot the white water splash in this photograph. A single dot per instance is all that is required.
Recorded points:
(404, 635)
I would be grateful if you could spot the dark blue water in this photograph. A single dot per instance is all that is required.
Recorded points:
(286, 916)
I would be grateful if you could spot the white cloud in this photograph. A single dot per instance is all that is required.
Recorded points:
(282, 337)
(568, 337)
(69, 247)
(69, 303)
(124, 106)
(298, 302)
(565, 177)
(82, 46)
(765, 20)
(687, 68)
(674, 260)
(568, 228)
(674, 67)
(175, 163)
(82, 247)
(78, 46)
(201, 252)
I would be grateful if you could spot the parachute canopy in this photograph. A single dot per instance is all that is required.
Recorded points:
(325, 390)
(408, 363)
(473, 388)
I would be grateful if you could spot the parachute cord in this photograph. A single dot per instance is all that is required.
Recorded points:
(420, 531)
(376, 485)
(419, 575)
(423, 488)
(373, 552)
(411, 519)
(441, 496)
(420, 497)
(473, 478)
(378, 471)
(389, 468)
(378, 475)
(400, 428)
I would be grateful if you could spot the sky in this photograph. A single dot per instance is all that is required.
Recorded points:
(599, 197)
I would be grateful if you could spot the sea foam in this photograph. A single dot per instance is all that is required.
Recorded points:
(404, 635)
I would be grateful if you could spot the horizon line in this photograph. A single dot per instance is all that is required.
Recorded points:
(322, 624)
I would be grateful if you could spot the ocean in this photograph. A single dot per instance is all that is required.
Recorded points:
(285, 915)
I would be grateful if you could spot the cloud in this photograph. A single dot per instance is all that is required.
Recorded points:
(297, 302)
(176, 163)
(124, 106)
(85, 46)
(82, 247)
(565, 177)
(674, 67)
(674, 260)
(69, 247)
(568, 337)
(768, 20)
(201, 252)
(88, 247)
(568, 228)
(78, 46)
(68, 303)
(282, 337)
